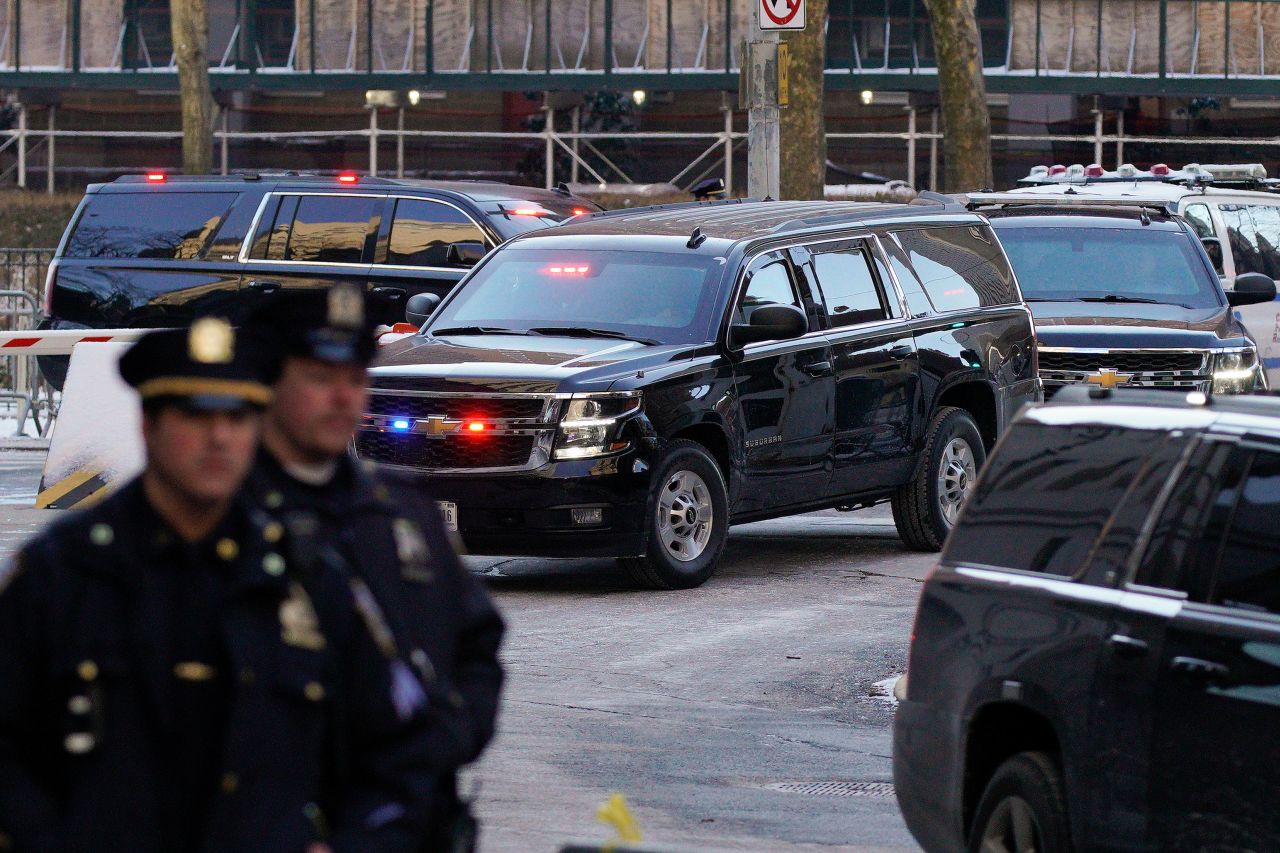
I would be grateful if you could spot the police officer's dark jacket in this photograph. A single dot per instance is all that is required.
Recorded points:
(390, 535)
(91, 712)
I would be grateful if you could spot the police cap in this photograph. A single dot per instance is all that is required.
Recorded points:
(334, 325)
(207, 367)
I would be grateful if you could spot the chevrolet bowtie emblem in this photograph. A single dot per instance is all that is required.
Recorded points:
(438, 425)
(1108, 378)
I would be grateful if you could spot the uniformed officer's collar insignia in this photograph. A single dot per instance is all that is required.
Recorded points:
(411, 545)
(299, 625)
(211, 340)
(346, 307)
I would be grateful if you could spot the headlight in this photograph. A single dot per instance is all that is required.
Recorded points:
(591, 423)
(1236, 371)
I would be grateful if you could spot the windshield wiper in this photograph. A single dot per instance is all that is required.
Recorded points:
(1116, 297)
(588, 332)
(476, 330)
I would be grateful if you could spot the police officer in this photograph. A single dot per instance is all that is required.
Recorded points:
(168, 682)
(383, 530)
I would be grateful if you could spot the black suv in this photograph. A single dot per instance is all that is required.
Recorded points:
(1124, 294)
(155, 250)
(1096, 658)
(629, 385)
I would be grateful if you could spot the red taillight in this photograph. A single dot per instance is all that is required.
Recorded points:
(348, 178)
(529, 211)
(1057, 169)
(579, 211)
(1093, 170)
(155, 177)
(1161, 169)
(50, 277)
(568, 269)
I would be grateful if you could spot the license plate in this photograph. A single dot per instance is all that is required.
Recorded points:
(449, 514)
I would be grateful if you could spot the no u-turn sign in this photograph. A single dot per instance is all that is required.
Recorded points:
(781, 14)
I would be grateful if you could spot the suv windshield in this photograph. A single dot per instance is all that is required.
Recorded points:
(1109, 264)
(665, 298)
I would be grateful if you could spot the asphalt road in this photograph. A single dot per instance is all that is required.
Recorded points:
(706, 709)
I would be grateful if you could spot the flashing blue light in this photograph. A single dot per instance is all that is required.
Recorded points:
(400, 424)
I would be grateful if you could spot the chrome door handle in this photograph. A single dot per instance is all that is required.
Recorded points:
(259, 286)
(1128, 647)
(818, 368)
(1203, 670)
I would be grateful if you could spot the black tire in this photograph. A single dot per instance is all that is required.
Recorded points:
(918, 509)
(1024, 799)
(660, 568)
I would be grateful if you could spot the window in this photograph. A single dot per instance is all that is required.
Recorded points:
(1045, 497)
(768, 283)
(848, 287)
(1253, 232)
(422, 232)
(171, 225)
(1201, 221)
(960, 266)
(1248, 574)
(917, 303)
(331, 229)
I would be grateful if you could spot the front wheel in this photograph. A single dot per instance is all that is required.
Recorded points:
(688, 520)
(926, 508)
(1023, 809)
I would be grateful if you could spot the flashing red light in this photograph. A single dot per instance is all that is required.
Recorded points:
(579, 211)
(1057, 169)
(1160, 169)
(155, 177)
(1094, 170)
(568, 269)
(348, 178)
(528, 211)
(476, 426)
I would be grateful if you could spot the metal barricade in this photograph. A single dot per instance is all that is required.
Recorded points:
(23, 392)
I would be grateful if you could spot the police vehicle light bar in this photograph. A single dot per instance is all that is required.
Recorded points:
(347, 177)
(980, 200)
(155, 177)
(1191, 173)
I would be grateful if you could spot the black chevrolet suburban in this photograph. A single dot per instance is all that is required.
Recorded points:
(157, 250)
(631, 384)
(1124, 295)
(1095, 662)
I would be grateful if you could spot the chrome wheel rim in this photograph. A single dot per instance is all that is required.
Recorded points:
(956, 476)
(685, 516)
(1012, 828)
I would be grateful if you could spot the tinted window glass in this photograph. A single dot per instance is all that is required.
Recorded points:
(331, 229)
(960, 266)
(1113, 552)
(1201, 222)
(1046, 495)
(1176, 532)
(671, 298)
(514, 216)
(1094, 264)
(1253, 230)
(422, 232)
(848, 287)
(1248, 573)
(148, 225)
(917, 303)
(768, 283)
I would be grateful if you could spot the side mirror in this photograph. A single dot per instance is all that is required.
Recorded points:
(1213, 248)
(420, 307)
(770, 323)
(465, 254)
(1252, 288)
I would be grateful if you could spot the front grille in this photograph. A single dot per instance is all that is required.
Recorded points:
(419, 451)
(1123, 362)
(458, 408)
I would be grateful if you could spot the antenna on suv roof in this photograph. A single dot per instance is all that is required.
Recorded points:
(562, 189)
(696, 239)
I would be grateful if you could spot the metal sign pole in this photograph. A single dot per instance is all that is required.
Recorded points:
(760, 94)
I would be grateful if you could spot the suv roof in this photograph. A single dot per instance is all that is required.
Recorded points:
(740, 219)
(1143, 191)
(1075, 404)
(478, 191)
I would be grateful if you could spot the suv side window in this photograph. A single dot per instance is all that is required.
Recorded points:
(169, 225)
(1253, 232)
(331, 229)
(960, 266)
(1201, 220)
(422, 232)
(848, 287)
(1047, 495)
(768, 283)
(1246, 568)
(917, 303)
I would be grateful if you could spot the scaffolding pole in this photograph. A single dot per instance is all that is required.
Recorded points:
(223, 143)
(728, 150)
(373, 141)
(400, 143)
(49, 144)
(933, 150)
(550, 133)
(22, 145)
(911, 146)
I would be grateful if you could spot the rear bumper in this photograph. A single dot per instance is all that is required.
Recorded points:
(928, 767)
(531, 514)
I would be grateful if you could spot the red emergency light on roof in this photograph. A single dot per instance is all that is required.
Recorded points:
(1094, 170)
(155, 177)
(1057, 169)
(1161, 169)
(579, 211)
(568, 269)
(529, 211)
(347, 177)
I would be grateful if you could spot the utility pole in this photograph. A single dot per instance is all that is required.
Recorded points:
(189, 24)
(759, 92)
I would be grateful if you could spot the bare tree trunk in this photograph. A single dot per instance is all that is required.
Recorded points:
(966, 121)
(802, 131)
(189, 21)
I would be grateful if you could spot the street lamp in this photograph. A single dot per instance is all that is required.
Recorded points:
(639, 96)
(868, 97)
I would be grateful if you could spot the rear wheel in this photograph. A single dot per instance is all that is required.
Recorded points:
(688, 520)
(1023, 809)
(926, 508)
